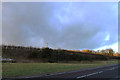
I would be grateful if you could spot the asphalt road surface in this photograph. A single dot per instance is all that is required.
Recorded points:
(110, 72)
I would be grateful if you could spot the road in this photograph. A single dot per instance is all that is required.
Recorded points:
(110, 72)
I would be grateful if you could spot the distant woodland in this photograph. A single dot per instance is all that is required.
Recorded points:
(33, 54)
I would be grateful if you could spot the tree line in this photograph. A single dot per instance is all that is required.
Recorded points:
(54, 55)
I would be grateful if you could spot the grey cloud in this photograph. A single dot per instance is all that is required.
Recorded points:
(66, 25)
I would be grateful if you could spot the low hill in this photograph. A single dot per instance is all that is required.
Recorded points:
(32, 54)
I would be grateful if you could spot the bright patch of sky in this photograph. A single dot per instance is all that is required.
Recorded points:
(113, 46)
(107, 37)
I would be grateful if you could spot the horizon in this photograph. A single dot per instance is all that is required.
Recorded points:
(59, 48)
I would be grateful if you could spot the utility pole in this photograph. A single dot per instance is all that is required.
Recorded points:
(47, 45)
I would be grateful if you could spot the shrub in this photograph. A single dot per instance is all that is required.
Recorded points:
(34, 54)
(46, 53)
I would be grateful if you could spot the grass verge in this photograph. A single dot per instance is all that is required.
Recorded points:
(27, 69)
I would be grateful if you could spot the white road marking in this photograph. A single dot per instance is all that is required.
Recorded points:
(95, 73)
(90, 74)
(100, 72)
(113, 68)
(81, 76)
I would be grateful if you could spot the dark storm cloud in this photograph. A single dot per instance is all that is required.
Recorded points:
(64, 25)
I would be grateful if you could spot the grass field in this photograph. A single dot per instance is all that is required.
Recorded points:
(27, 69)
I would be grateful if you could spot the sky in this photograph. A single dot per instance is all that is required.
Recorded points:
(66, 25)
